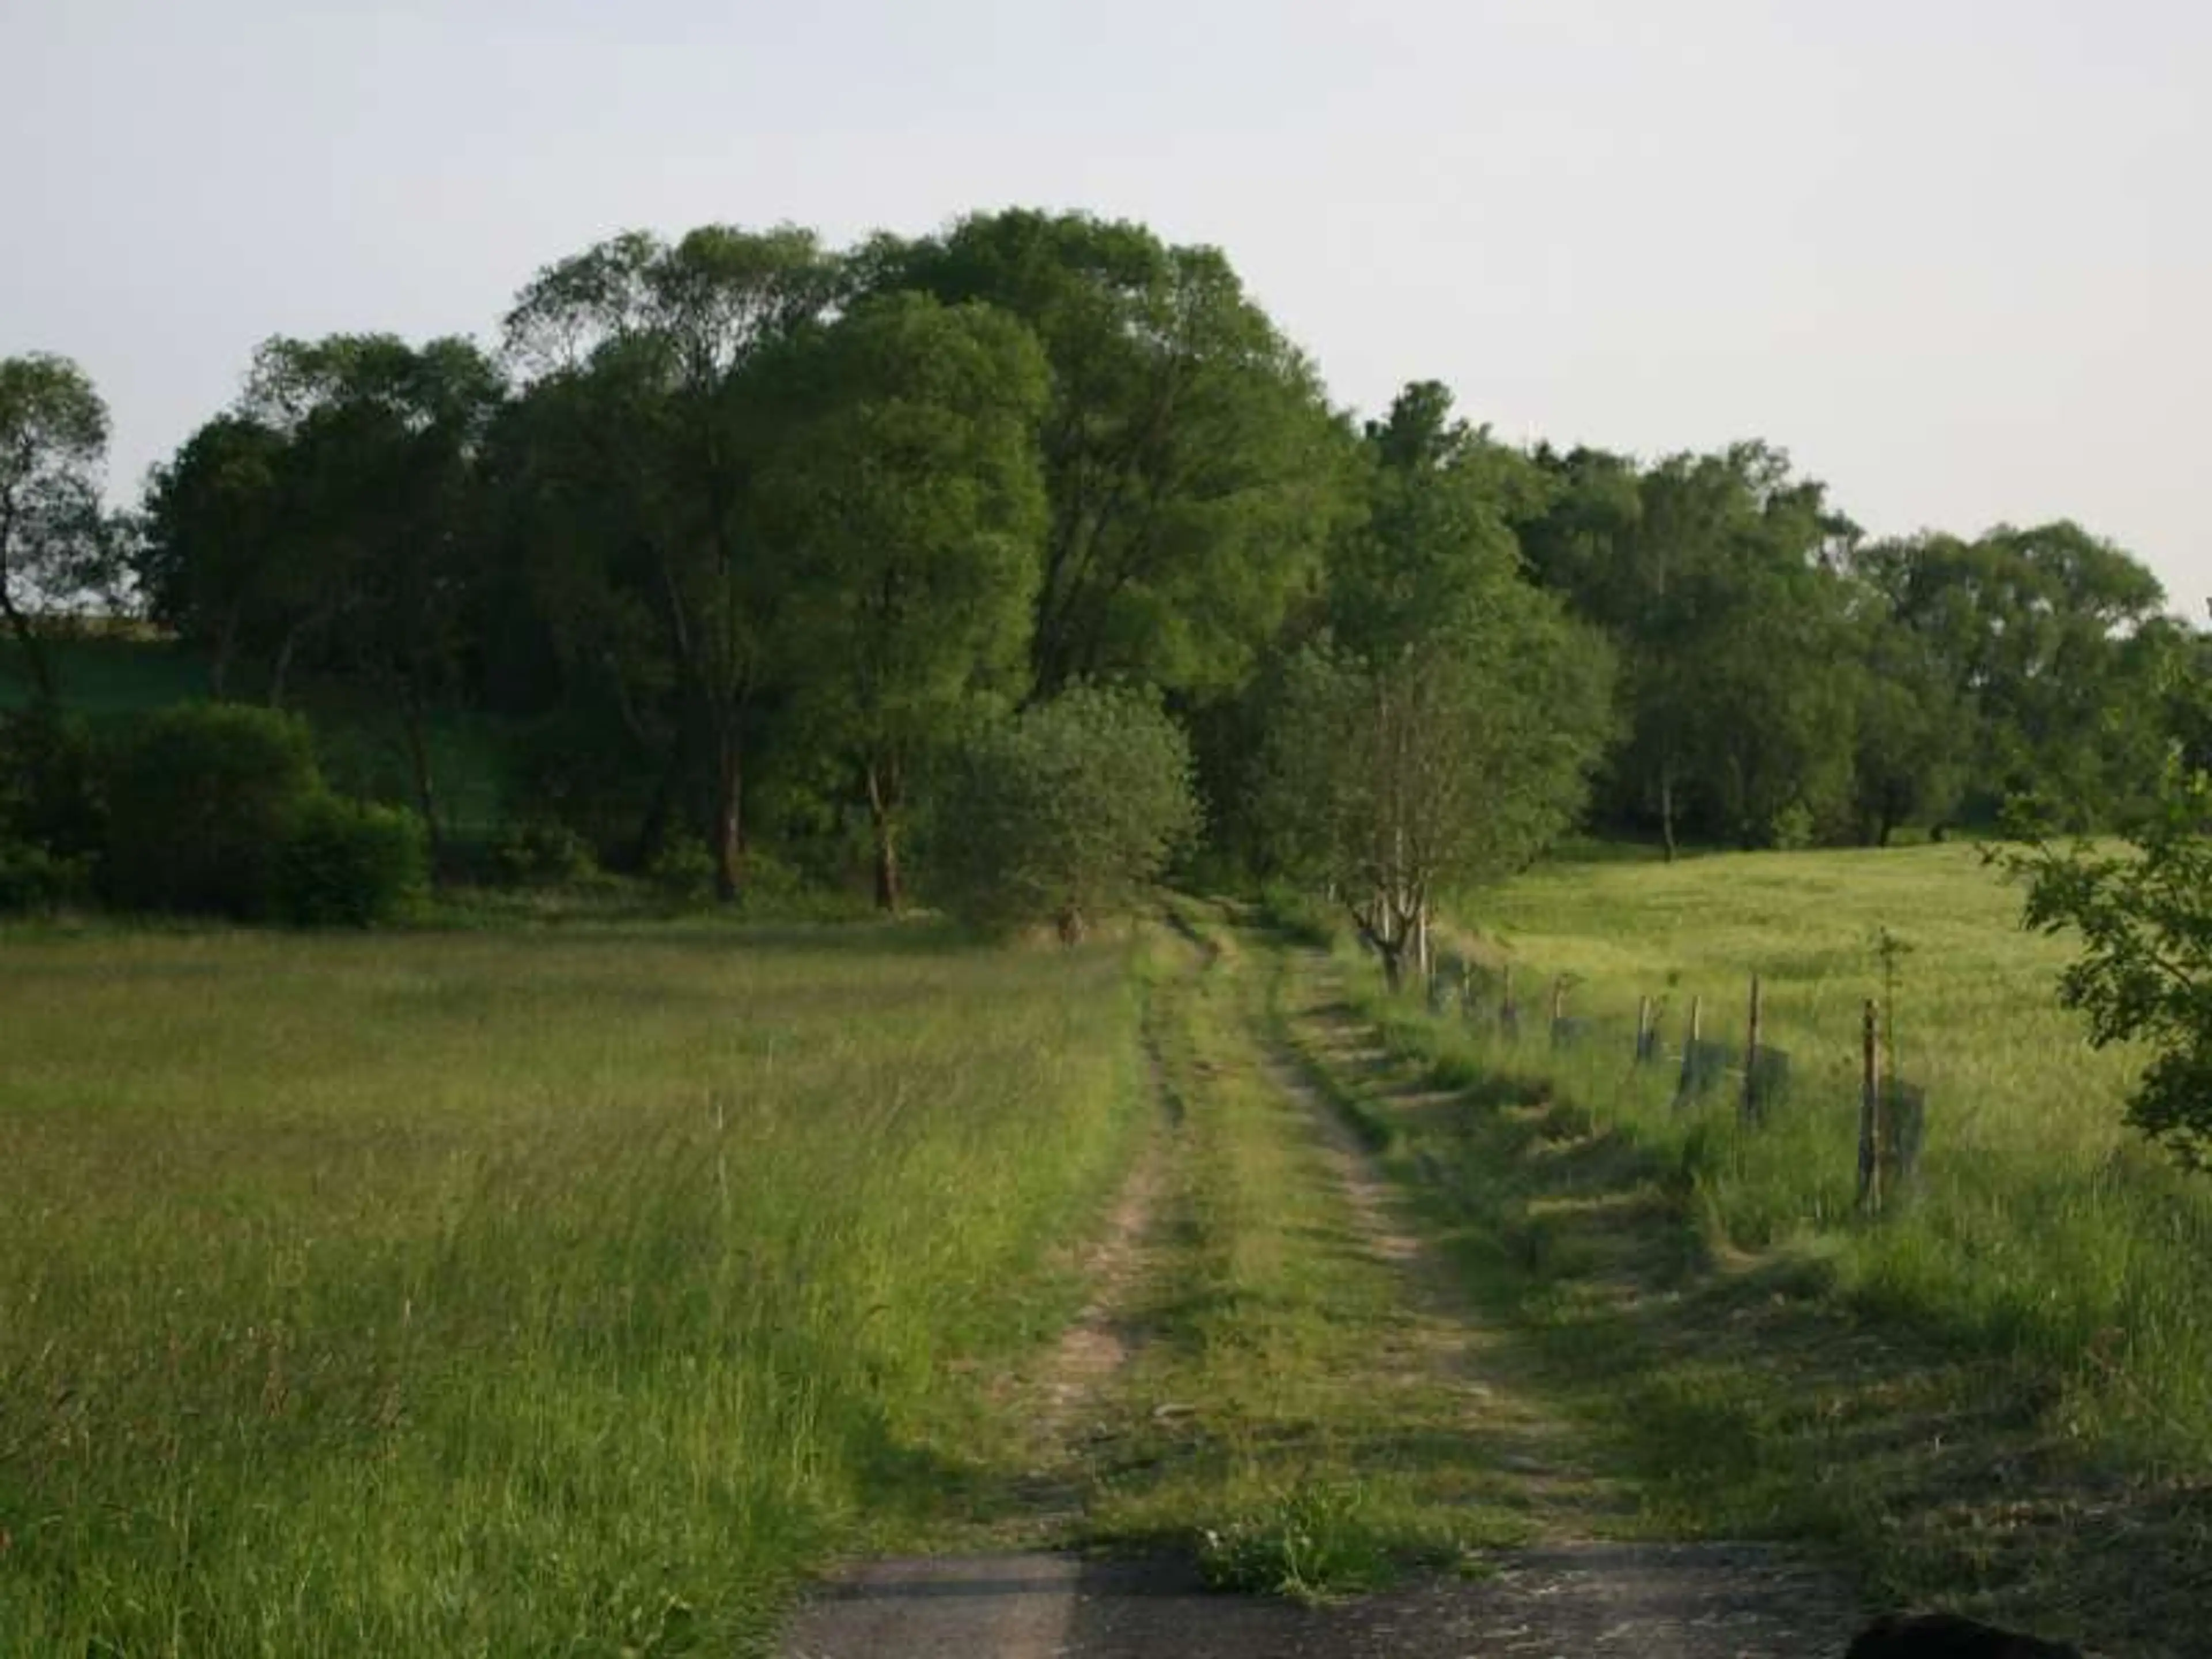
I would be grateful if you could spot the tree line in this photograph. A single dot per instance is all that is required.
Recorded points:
(753, 545)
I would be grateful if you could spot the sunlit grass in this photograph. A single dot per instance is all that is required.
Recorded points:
(2038, 1224)
(507, 1292)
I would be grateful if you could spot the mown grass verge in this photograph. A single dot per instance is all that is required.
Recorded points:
(501, 1293)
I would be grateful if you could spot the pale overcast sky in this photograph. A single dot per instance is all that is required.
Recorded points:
(1955, 255)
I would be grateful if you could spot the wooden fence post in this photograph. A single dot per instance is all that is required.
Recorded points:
(1685, 1087)
(1869, 1109)
(1751, 1054)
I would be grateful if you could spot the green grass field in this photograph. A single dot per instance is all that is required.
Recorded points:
(2038, 1224)
(519, 1291)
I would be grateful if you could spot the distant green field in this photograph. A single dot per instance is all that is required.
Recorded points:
(100, 676)
(362, 754)
(516, 1293)
(2038, 1224)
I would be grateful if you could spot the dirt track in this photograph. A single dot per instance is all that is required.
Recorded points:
(1563, 1599)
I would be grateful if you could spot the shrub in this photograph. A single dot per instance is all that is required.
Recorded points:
(683, 869)
(1065, 813)
(50, 796)
(199, 799)
(343, 863)
(543, 853)
(33, 878)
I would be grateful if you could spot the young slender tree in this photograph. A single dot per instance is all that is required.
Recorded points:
(53, 535)
(1443, 734)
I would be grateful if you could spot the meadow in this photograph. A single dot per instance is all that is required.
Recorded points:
(2036, 1222)
(563, 1291)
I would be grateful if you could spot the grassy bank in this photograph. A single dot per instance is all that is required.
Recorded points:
(504, 1293)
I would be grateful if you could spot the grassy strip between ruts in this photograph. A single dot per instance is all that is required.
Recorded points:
(1768, 1387)
(1288, 1407)
(507, 1294)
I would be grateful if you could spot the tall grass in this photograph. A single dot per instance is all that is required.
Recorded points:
(2038, 1225)
(507, 1294)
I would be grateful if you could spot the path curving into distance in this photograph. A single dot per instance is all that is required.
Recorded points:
(1567, 1590)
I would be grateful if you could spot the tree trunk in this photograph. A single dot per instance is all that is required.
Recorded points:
(225, 645)
(426, 791)
(1394, 964)
(36, 660)
(1071, 926)
(882, 802)
(282, 668)
(729, 838)
(1666, 811)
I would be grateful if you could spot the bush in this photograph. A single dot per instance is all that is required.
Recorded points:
(543, 853)
(199, 799)
(1065, 813)
(33, 878)
(684, 869)
(50, 795)
(342, 863)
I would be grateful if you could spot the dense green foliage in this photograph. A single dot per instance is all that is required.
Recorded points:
(2143, 914)
(1065, 813)
(220, 809)
(741, 536)
(1785, 681)
(342, 863)
(199, 801)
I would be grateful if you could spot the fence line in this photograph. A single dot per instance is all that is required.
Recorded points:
(1891, 1114)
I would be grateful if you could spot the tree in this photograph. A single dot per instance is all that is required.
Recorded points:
(1065, 812)
(1445, 770)
(1913, 734)
(2050, 640)
(905, 485)
(2144, 915)
(212, 564)
(1191, 462)
(53, 437)
(1716, 575)
(654, 349)
(1445, 731)
(375, 496)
